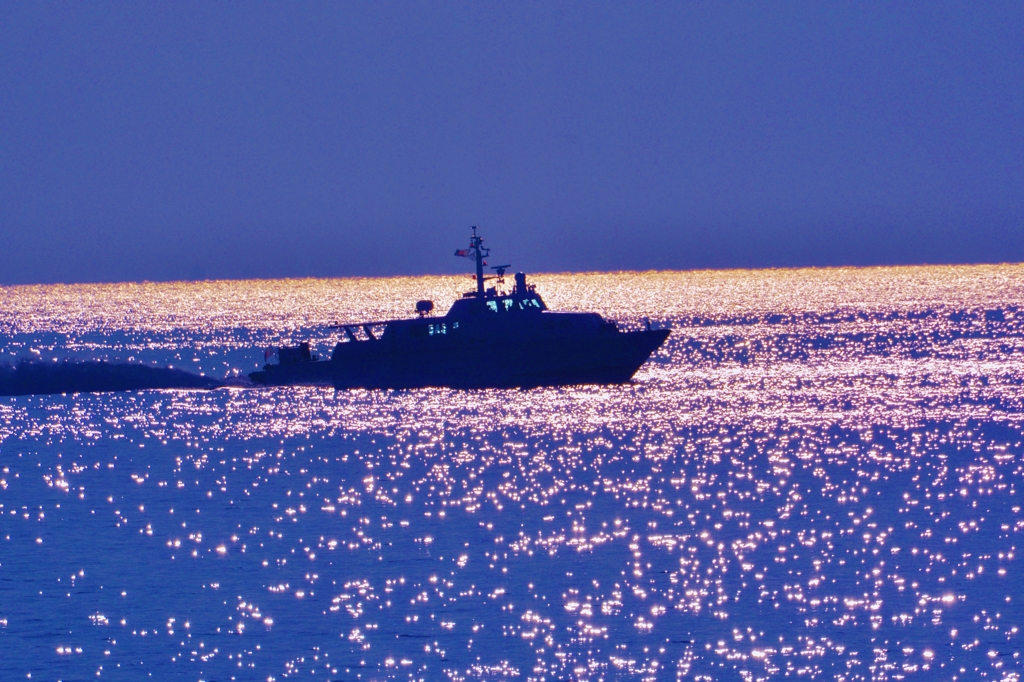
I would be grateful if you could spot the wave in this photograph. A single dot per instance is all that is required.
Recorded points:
(796, 347)
(952, 334)
(978, 321)
(30, 377)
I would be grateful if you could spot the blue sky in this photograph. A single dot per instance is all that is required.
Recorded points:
(192, 140)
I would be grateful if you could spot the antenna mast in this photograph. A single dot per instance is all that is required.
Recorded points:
(477, 252)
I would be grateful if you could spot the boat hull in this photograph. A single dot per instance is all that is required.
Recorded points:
(312, 373)
(511, 362)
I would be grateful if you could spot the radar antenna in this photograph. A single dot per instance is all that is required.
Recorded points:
(477, 251)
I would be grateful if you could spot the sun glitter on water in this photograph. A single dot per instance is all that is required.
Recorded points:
(817, 476)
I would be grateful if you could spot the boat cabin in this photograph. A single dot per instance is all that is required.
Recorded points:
(512, 303)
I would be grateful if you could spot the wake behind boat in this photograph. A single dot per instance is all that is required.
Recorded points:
(490, 338)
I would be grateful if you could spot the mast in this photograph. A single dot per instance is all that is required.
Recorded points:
(476, 243)
(477, 252)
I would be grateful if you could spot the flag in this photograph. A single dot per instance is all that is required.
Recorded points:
(463, 253)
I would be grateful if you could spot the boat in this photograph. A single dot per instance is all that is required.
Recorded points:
(492, 337)
(296, 366)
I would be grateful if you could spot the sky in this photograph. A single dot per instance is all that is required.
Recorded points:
(164, 141)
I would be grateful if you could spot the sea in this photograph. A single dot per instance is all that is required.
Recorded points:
(815, 478)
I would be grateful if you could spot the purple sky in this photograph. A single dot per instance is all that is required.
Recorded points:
(178, 140)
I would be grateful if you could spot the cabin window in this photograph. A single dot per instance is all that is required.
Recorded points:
(455, 325)
(509, 303)
(439, 328)
(492, 306)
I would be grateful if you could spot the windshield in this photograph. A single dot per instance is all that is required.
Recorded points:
(506, 304)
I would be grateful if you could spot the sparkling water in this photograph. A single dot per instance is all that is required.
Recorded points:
(815, 476)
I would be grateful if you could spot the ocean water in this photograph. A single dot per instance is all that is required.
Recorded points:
(817, 476)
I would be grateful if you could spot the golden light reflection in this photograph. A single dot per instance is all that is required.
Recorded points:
(816, 476)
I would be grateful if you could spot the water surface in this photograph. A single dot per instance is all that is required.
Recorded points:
(816, 476)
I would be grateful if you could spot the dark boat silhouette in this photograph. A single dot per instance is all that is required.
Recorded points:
(76, 376)
(490, 338)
